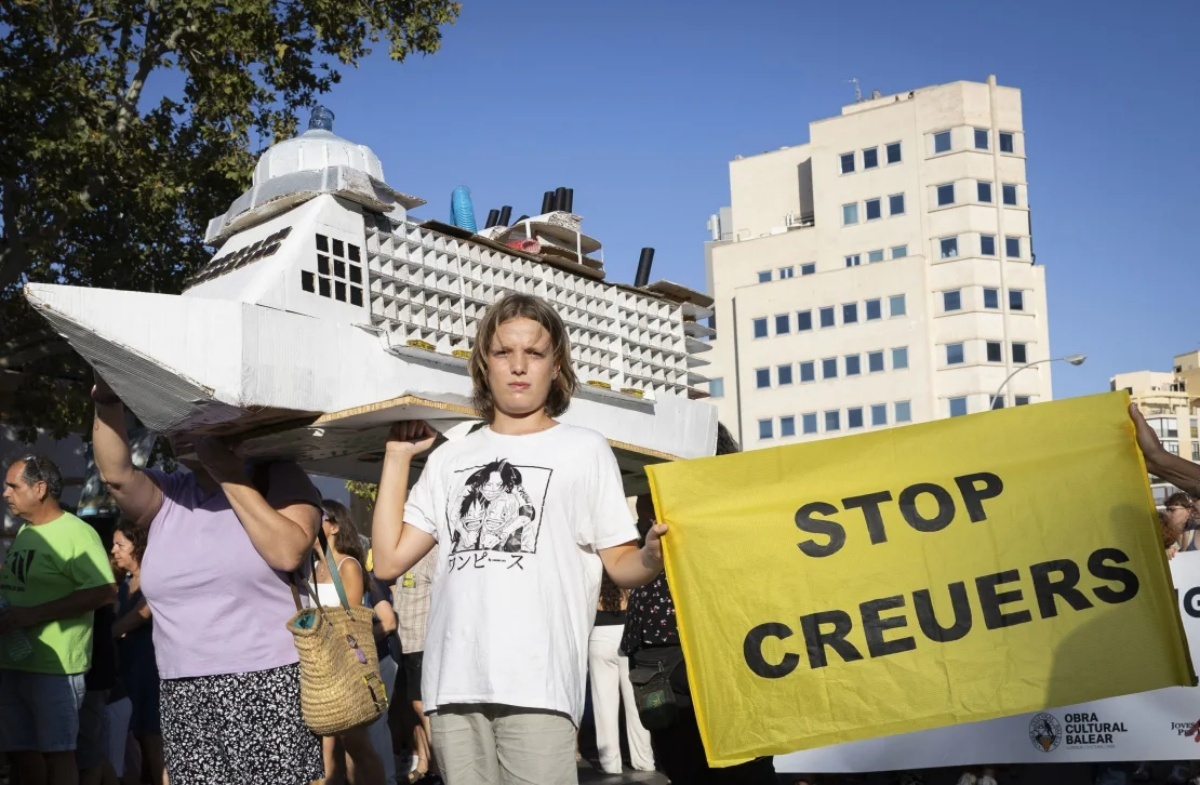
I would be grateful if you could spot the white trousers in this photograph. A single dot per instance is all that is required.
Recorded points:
(609, 673)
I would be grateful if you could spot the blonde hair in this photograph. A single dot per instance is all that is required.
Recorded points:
(522, 306)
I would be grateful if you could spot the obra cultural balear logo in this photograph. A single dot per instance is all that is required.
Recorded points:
(1082, 729)
(1045, 732)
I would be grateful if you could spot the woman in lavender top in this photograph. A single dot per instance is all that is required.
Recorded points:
(222, 541)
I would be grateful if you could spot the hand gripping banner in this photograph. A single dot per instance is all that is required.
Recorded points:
(918, 577)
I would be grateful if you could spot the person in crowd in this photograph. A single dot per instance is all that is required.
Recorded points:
(55, 576)
(609, 673)
(387, 650)
(1177, 517)
(223, 539)
(92, 749)
(651, 639)
(412, 614)
(134, 633)
(119, 709)
(352, 750)
(528, 512)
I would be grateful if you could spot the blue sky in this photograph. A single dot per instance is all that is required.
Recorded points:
(639, 106)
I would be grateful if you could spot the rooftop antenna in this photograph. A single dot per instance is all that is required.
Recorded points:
(857, 90)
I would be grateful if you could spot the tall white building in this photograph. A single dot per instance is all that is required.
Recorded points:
(881, 274)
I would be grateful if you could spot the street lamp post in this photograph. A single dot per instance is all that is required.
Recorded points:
(1073, 359)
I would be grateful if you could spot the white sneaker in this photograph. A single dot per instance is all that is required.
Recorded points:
(968, 778)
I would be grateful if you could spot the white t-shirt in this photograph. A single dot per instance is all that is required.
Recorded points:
(519, 521)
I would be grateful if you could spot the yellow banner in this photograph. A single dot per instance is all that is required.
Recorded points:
(918, 577)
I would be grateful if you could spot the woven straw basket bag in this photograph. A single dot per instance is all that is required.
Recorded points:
(340, 687)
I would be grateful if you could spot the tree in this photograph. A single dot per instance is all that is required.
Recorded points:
(100, 185)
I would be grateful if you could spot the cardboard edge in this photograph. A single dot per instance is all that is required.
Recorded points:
(332, 418)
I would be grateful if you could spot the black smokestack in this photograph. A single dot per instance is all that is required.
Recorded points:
(520, 220)
(569, 205)
(547, 202)
(560, 198)
(645, 261)
(493, 217)
(505, 214)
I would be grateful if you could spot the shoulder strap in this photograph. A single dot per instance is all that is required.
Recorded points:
(325, 556)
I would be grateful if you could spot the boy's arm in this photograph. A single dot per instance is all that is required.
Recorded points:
(397, 545)
(630, 566)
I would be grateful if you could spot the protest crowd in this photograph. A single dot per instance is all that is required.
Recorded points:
(156, 647)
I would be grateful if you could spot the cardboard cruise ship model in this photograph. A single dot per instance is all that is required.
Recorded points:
(329, 312)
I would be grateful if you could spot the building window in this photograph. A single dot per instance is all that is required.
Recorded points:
(1020, 400)
(874, 362)
(808, 269)
(958, 407)
(997, 402)
(874, 309)
(827, 317)
(762, 378)
(783, 373)
(896, 204)
(899, 358)
(874, 256)
(787, 272)
(903, 411)
(716, 388)
(854, 417)
(949, 247)
(764, 276)
(893, 153)
(874, 209)
(1012, 247)
(760, 328)
(981, 139)
(829, 368)
(879, 414)
(899, 251)
(954, 354)
(991, 298)
(787, 426)
(983, 191)
(987, 244)
(853, 365)
(1016, 300)
(952, 300)
(1019, 354)
(945, 194)
(995, 352)
(870, 158)
(1006, 142)
(783, 324)
(896, 305)
(808, 371)
(853, 260)
(849, 313)
(1008, 193)
(808, 422)
(941, 142)
(1196, 452)
(803, 321)
(833, 420)
(766, 429)
(847, 163)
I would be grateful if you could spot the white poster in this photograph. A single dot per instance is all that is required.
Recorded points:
(1159, 725)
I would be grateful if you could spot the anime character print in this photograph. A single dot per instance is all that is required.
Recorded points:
(498, 508)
